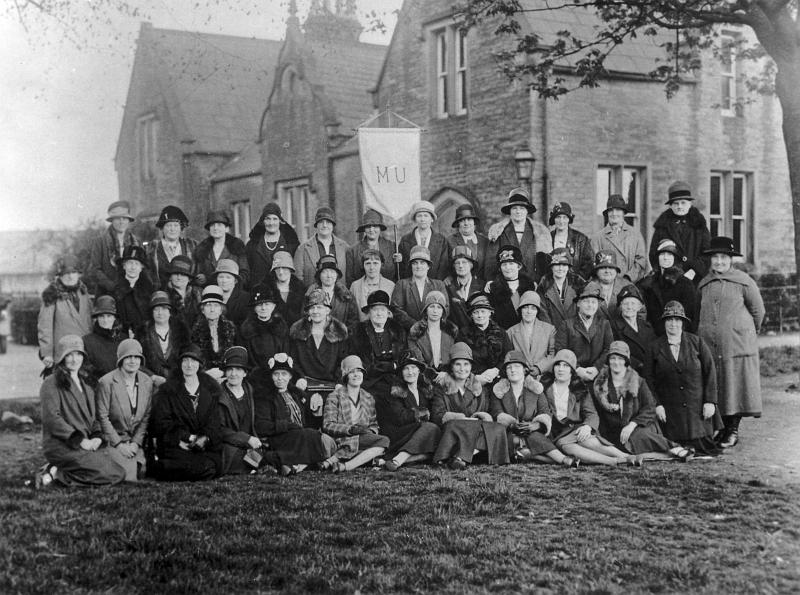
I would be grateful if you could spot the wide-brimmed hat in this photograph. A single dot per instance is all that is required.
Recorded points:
(328, 261)
(514, 357)
(670, 246)
(316, 297)
(509, 253)
(408, 358)
(530, 298)
(679, 191)
(133, 253)
(592, 290)
(66, 345)
(180, 265)
(120, 208)
(560, 256)
(281, 361)
(282, 260)
(371, 218)
(160, 298)
(479, 300)
(616, 201)
(419, 253)
(217, 216)
(560, 208)
(568, 357)
(67, 264)
(350, 363)
(629, 290)
(104, 304)
(172, 213)
(722, 245)
(674, 309)
(324, 214)
(377, 298)
(212, 294)
(194, 352)
(465, 212)
(264, 292)
(605, 259)
(460, 350)
(127, 348)
(226, 265)
(235, 357)
(620, 348)
(518, 197)
(423, 206)
(462, 251)
(435, 297)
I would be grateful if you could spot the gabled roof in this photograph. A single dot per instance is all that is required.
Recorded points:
(246, 163)
(216, 86)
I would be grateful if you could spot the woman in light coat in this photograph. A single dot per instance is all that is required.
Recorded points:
(124, 401)
(731, 313)
(535, 339)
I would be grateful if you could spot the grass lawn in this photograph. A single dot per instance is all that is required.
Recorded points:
(669, 527)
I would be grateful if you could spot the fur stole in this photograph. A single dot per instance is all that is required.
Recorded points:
(335, 331)
(226, 336)
(694, 218)
(252, 327)
(420, 328)
(491, 340)
(113, 334)
(58, 291)
(472, 384)
(358, 332)
(400, 391)
(629, 391)
(286, 230)
(500, 290)
(233, 244)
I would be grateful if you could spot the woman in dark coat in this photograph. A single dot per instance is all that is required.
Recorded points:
(133, 289)
(432, 338)
(461, 409)
(577, 244)
(213, 333)
(558, 289)
(161, 252)
(186, 424)
(185, 296)
(265, 332)
(462, 284)
(328, 278)
(269, 236)
(488, 342)
(682, 376)
(235, 299)
(289, 290)
(507, 287)
(667, 283)
(218, 245)
(627, 410)
(281, 419)
(71, 432)
(379, 341)
(526, 414)
(404, 415)
(163, 337)
(101, 344)
(626, 325)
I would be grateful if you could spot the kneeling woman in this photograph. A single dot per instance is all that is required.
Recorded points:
(281, 418)
(350, 418)
(124, 399)
(526, 414)
(186, 423)
(575, 419)
(462, 411)
(627, 409)
(70, 431)
(404, 415)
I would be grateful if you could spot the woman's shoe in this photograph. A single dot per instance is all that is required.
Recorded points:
(457, 464)
(684, 455)
(327, 464)
(731, 440)
(286, 470)
(391, 466)
(635, 460)
(44, 477)
(338, 467)
(571, 462)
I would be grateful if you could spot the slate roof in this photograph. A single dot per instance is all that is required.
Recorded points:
(218, 84)
(246, 163)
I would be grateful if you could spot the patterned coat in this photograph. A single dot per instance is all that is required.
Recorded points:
(339, 415)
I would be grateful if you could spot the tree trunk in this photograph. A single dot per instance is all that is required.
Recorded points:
(787, 83)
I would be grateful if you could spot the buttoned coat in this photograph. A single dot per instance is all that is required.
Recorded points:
(339, 416)
(419, 342)
(343, 304)
(540, 348)
(307, 256)
(355, 266)
(259, 258)
(660, 287)
(406, 297)
(690, 234)
(118, 421)
(536, 244)
(731, 313)
(553, 310)
(59, 315)
(580, 410)
(158, 261)
(639, 341)
(683, 386)
(628, 246)
(103, 270)
(479, 267)
(359, 291)
(459, 314)
(505, 313)
(579, 247)
(589, 345)
(205, 262)
(438, 248)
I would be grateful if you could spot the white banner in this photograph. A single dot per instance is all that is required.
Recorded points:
(390, 169)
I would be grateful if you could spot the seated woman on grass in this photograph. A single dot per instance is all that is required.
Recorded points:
(627, 410)
(575, 419)
(350, 418)
(71, 433)
(524, 411)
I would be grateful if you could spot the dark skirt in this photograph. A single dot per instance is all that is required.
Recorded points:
(421, 441)
(78, 467)
(461, 437)
(298, 446)
(566, 433)
(645, 439)
(536, 442)
(176, 464)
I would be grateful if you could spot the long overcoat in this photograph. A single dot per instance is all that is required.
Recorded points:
(580, 251)
(205, 262)
(307, 256)
(489, 346)
(103, 272)
(259, 257)
(419, 342)
(660, 287)
(158, 260)
(539, 348)
(639, 341)
(500, 296)
(589, 345)
(483, 254)
(398, 415)
(438, 248)
(321, 363)
(459, 314)
(406, 297)
(536, 244)
(690, 234)
(554, 310)
(629, 247)
(63, 312)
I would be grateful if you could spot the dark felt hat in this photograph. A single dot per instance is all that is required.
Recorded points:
(679, 191)
(236, 357)
(592, 290)
(408, 358)
(674, 309)
(160, 298)
(172, 213)
(328, 261)
(104, 304)
(605, 259)
(324, 214)
(629, 290)
(133, 253)
(180, 265)
(265, 292)
(194, 352)
(218, 216)
(272, 208)
(722, 245)
(518, 197)
(509, 253)
(371, 218)
(479, 300)
(67, 264)
(560, 208)
(616, 201)
(377, 298)
(465, 212)
(560, 256)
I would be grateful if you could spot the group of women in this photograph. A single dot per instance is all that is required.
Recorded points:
(222, 371)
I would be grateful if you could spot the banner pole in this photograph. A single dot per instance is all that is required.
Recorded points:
(396, 250)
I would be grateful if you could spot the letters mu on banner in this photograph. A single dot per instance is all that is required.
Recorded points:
(390, 169)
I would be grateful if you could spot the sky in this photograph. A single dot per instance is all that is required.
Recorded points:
(63, 84)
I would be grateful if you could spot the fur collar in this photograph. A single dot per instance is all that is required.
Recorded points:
(233, 244)
(420, 328)
(58, 291)
(602, 388)
(501, 291)
(226, 337)
(253, 327)
(359, 330)
(340, 292)
(694, 218)
(335, 331)
(286, 230)
(472, 384)
(477, 338)
(174, 385)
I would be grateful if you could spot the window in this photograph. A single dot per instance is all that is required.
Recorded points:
(631, 182)
(450, 71)
(146, 139)
(241, 219)
(729, 209)
(294, 199)
(727, 76)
